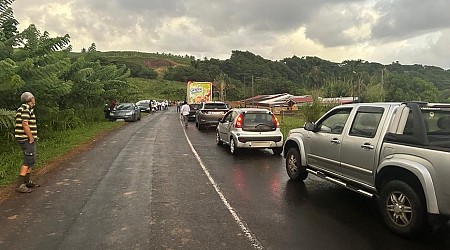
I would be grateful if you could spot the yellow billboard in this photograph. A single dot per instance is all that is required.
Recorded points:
(198, 92)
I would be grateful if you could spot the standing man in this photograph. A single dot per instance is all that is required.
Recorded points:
(184, 111)
(26, 134)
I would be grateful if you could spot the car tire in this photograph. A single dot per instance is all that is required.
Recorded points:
(293, 167)
(218, 140)
(403, 208)
(233, 149)
(277, 151)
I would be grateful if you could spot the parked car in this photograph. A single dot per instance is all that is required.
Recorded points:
(398, 153)
(127, 111)
(193, 110)
(252, 128)
(209, 114)
(144, 105)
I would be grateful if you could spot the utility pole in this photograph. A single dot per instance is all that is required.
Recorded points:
(382, 84)
(221, 88)
(253, 95)
(245, 96)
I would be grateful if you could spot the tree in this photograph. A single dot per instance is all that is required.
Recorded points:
(401, 87)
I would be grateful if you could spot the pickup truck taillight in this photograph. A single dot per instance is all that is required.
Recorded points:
(275, 121)
(239, 120)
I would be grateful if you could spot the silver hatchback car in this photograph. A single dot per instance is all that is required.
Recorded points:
(252, 128)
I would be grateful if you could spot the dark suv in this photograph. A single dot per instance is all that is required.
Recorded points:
(193, 110)
(210, 113)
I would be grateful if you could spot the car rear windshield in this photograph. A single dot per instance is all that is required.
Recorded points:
(258, 121)
(215, 106)
(194, 106)
(124, 106)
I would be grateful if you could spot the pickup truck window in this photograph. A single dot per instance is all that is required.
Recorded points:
(334, 123)
(437, 123)
(366, 124)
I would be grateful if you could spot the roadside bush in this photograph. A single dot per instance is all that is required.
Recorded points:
(7, 124)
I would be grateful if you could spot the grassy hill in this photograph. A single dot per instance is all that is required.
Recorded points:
(159, 89)
(159, 62)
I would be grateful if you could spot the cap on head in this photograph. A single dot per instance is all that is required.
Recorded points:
(26, 97)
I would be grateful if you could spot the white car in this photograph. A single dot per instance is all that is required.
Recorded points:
(252, 128)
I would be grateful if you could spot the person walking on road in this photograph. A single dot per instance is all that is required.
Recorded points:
(178, 106)
(26, 134)
(184, 111)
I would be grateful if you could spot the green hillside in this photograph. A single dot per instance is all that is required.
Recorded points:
(158, 89)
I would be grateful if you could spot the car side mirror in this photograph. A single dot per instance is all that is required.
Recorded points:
(310, 126)
(220, 120)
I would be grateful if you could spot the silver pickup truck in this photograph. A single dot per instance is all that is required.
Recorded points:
(398, 153)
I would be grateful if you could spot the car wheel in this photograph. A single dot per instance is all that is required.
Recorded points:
(402, 208)
(277, 151)
(293, 167)
(234, 150)
(218, 141)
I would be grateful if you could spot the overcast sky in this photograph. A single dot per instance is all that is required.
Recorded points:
(384, 31)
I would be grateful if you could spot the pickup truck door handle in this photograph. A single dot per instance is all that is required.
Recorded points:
(367, 146)
(335, 141)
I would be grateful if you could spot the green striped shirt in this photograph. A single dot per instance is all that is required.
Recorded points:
(24, 113)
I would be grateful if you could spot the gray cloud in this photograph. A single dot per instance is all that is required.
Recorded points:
(266, 27)
(408, 18)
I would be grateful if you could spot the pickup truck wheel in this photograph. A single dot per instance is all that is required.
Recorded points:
(402, 208)
(293, 168)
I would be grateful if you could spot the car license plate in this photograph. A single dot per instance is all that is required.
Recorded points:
(260, 144)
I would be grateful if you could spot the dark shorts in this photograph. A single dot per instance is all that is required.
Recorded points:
(29, 153)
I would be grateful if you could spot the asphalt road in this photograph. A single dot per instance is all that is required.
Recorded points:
(155, 185)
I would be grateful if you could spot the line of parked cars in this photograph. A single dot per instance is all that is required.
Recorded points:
(131, 112)
(397, 153)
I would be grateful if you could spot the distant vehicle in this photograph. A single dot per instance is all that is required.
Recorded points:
(209, 114)
(252, 128)
(127, 111)
(193, 110)
(144, 105)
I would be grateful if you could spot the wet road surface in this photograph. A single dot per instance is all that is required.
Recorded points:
(155, 185)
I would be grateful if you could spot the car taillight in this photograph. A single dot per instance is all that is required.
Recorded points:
(239, 120)
(275, 121)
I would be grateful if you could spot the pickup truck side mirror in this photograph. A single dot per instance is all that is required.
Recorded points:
(310, 126)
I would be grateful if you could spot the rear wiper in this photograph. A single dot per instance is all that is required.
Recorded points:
(263, 124)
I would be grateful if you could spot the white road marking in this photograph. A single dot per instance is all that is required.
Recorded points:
(245, 229)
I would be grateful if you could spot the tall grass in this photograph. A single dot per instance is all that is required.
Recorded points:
(290, 121)
(53, 145)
